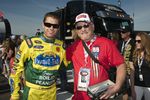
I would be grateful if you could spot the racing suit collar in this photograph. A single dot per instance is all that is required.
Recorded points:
(49, 40)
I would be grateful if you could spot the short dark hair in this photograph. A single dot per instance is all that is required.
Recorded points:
(52, 14)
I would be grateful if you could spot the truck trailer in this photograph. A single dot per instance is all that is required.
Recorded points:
(106, 17)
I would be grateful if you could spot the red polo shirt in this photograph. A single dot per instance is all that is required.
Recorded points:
(104, 50)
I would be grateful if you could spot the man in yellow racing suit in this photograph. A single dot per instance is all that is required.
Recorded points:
(39, 58)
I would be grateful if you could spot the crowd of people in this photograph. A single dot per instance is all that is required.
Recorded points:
(8, 49)
(34, 62)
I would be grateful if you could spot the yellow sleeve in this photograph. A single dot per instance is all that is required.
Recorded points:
(18, 68)
(64, 55)
(65, 59)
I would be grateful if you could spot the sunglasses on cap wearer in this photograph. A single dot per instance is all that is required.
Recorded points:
(80, 27)
(50, 25)
(123, 32)
(138, 41)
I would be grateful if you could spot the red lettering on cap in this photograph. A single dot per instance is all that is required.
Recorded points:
(81, 16)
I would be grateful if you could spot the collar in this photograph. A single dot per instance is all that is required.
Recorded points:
(46, 39)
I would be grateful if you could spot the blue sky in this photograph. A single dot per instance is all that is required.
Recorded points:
(25, 16)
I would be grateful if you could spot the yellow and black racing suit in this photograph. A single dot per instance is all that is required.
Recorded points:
(39, 59)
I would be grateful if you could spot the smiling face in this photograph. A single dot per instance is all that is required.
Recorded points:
(51, 26)
(84, 30)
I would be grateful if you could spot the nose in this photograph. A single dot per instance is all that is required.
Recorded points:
(51, 27)
(83, 28)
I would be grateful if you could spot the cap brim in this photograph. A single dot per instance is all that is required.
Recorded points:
(121, 30)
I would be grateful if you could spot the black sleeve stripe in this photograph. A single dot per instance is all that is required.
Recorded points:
(29, 42)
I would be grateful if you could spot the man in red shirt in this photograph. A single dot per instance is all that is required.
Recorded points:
(86, 71)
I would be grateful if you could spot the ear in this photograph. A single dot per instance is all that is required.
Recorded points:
(128, 33)
(93, 26)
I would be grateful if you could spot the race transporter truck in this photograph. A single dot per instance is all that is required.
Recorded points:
(106, 17)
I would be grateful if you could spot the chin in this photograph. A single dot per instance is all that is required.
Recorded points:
(50, 36)
(83, 39)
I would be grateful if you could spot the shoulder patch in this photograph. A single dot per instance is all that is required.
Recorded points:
(58, 42)
(38, 42)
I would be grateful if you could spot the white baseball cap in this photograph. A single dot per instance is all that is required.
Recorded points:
(83, 17)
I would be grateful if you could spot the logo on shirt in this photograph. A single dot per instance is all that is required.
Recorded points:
(96, 50)
(38, 42)
(38, 47)
(57, 49)
(83, 73)
(48, 59)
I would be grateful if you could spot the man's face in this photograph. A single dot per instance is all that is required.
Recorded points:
(84, 30)
(51, 27)
(125, 35)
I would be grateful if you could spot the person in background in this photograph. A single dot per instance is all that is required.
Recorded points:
(23, 37)
(103, 49)
(115, 37)
(18, 41)
(38, 32)
(141, 60)
(39, 58)
(5, 49)
(63, 78)
(126, 47)
(13, 38)
(9, 61)
(2, 52)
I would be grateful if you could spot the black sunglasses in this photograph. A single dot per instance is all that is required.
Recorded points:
(138, 41)
(80, 27)
(123, 32)
(49, 25)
